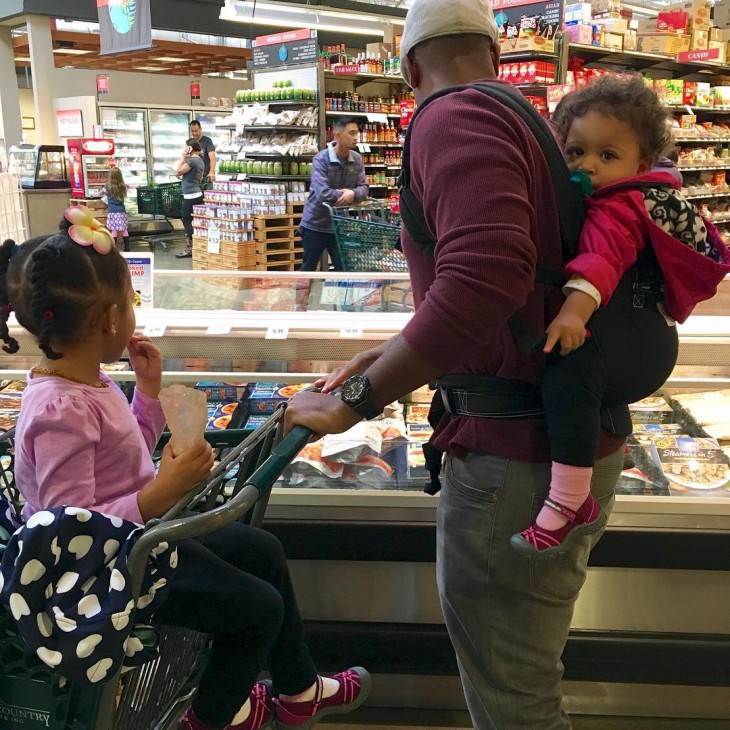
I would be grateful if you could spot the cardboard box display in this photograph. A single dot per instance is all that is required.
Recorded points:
(614, 40)
(721, 46)
(667, 45)
(721, 15)
(527, 43)
(699, 40)
(631, 41)
(720, 34)
(580, 33)
(605, 6)
(620, 25)
(379, 50)
(646, 26)
(699, 12)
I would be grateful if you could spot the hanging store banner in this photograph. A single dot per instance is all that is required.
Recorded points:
(102, 85)
(195, 91)
(287, 48)
(124, 25)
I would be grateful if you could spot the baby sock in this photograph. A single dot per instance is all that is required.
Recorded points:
(569, 486)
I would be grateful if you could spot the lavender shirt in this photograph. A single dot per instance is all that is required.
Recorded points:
(84, 447)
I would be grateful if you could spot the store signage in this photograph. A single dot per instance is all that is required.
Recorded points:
(70, 123)
(285, 49)
(102, 85)
(195, 91)
(142, 271)
(214, 239)
(346, 70)
(548, 15)
(124, 25)
(407, 110)
(97, 146)
(711, 54)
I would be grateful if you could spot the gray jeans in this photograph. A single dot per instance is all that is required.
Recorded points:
(508, 617)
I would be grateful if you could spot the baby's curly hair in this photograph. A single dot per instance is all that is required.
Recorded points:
(626, 98)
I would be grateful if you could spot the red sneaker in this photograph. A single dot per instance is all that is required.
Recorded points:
(261, 717)
(354, 688)
(536, 542)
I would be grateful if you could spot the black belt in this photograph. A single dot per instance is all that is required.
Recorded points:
(488, 397)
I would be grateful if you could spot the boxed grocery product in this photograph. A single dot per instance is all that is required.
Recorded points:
(689, 94)
(580, 33)
(669, 91)
(675, 21)
(699, 40)
(693, 466)
(654, 409)
(219, 416)
(721, 95)
(647, 26)
(613, 25)
(605, 6)
(705, 96)
(667, 44)
(721, 47)
(578, 13)
(265, 398)
(421, 395)
(719, 34)
(721, 15)
(222, 392)
(706, 407)
(644, 433)
(631, 40)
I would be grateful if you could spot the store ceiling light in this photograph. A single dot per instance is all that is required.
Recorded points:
(21, 58)
(149, 68)
(168, 59)
(298, 16)
(71, 51)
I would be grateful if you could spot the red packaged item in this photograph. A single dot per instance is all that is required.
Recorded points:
(672, 21)
(689, 95)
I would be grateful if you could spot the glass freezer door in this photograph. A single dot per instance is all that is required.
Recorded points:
(208, 121)
(169, 131)
(127, 127)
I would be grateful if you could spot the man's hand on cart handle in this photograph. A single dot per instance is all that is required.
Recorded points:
(321, 413)
(347, 197)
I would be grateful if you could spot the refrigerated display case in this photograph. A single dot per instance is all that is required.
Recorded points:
(128, 129)
(210, 122)
(90, 161)
(651, 625)
(169, 130)
(39, 167)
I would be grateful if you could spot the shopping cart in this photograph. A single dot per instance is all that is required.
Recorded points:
(165, 200)
(367, 236)
(153, 696)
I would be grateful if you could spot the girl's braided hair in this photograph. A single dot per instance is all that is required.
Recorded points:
(57, 289)
(626, 98)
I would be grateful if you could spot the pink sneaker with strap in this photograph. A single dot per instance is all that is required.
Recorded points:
(541, 544)
(260, 718)
(354, 688)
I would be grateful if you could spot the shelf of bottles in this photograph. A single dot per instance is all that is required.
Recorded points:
(367, 63)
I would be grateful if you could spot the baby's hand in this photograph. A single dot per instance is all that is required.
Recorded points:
(182, 473)
(569, 330)
(146, 361)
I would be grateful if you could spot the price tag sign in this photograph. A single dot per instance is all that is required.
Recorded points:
(361, 147)
(220, 328)
(378, 118)
(351, 332)
(214, 239)
(277, 332)
(154, 330)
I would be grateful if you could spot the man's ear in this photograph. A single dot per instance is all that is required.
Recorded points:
(413, 73)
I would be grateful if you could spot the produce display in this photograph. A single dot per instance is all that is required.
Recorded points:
(262, 167)
(259, 115)
(280, 91)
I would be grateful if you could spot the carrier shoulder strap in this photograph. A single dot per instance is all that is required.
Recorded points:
(569, 200)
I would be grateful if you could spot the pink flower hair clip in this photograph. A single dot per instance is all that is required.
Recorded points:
(87, 231)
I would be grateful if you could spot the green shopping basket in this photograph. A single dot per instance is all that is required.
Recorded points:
(367, 245)
(153, 696)
(164, 199)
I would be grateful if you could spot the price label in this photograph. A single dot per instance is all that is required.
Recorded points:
(218, 329)
(277, 332)
(214, 239)
(154, 330)
(351, 332)
(361, 147)
(378, 118)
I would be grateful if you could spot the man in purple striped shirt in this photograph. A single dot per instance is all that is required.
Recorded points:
(338, 178)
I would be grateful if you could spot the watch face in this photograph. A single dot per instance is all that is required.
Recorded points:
(353, 389)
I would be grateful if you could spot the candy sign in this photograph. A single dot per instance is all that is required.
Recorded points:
(712, 54)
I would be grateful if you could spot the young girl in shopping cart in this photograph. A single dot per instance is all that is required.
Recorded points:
(115, 193)
(80, 444)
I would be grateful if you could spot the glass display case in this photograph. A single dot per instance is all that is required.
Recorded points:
(657, 582)
(39, 167)
(169, 131)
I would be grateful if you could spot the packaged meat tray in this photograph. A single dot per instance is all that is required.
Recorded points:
(651, 410)
(692, 466)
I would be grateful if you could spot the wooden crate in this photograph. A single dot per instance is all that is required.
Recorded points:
(295, 208)
(275, 234)
(262, 222)
(266, 247)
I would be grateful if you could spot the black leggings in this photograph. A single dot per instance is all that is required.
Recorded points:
(631, 353)
(234, 584)
(187, 214)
